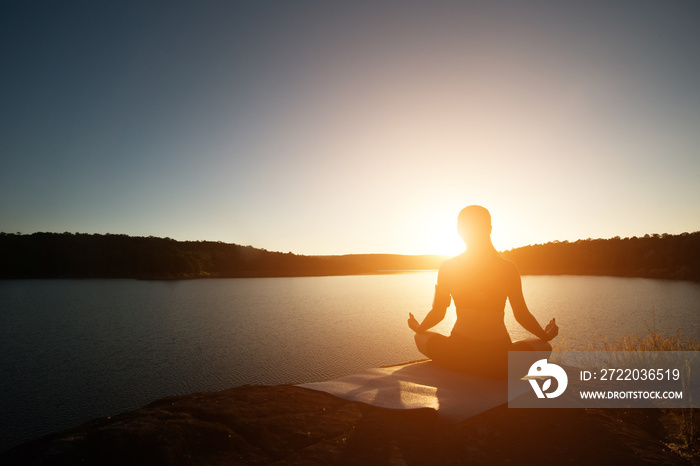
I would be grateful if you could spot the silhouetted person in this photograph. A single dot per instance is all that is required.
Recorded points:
(479, 281)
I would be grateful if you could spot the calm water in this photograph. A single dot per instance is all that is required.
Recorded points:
(73, 350)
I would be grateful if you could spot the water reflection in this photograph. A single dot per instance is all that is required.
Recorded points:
(77, 349)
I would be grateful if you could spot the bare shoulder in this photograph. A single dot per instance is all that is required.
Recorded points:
(449, 269)
(452, 265)
(511, 273)
(510, 266)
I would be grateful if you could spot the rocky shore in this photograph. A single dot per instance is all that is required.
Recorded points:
(292, 425)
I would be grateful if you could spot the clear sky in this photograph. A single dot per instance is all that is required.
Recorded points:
(350, 127)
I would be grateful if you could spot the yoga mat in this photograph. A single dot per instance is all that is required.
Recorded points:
(455, 396)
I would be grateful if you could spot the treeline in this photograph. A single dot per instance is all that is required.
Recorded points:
(67, 255)
(652, 256)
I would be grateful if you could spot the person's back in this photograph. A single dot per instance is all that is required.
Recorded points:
(479, 281)
(479, 287)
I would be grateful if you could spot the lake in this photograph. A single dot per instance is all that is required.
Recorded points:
(73, 350)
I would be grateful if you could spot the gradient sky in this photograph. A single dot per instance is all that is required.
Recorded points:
(330, 128)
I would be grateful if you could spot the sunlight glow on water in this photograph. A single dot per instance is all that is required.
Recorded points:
(73, 350)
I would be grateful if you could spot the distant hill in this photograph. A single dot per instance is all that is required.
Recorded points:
(67, 255)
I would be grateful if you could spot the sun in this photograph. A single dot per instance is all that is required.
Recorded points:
(438, 235)
(448, 243)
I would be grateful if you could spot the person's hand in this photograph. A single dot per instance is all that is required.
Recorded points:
(551, 330)
(413, 323)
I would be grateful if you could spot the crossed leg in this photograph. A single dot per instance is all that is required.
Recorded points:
(528, 344)
(422, 341)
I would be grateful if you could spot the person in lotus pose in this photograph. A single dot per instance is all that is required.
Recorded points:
(479, 281)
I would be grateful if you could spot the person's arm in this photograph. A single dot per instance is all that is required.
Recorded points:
(523, 315)
(433, 318)
(441, 302)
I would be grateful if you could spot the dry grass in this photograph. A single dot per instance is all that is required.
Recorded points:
(649, 341)
(652, 340)
(681, 423)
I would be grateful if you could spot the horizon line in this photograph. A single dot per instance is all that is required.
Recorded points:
(646, 235)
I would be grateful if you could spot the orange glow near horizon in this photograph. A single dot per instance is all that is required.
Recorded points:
(437, 228)
(361, 129)
(447, 243)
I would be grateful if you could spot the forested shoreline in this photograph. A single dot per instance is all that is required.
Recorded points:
(79, 255)
(675, 257)
(68, 255)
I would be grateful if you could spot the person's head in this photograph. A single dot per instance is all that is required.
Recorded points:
(474, 225)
